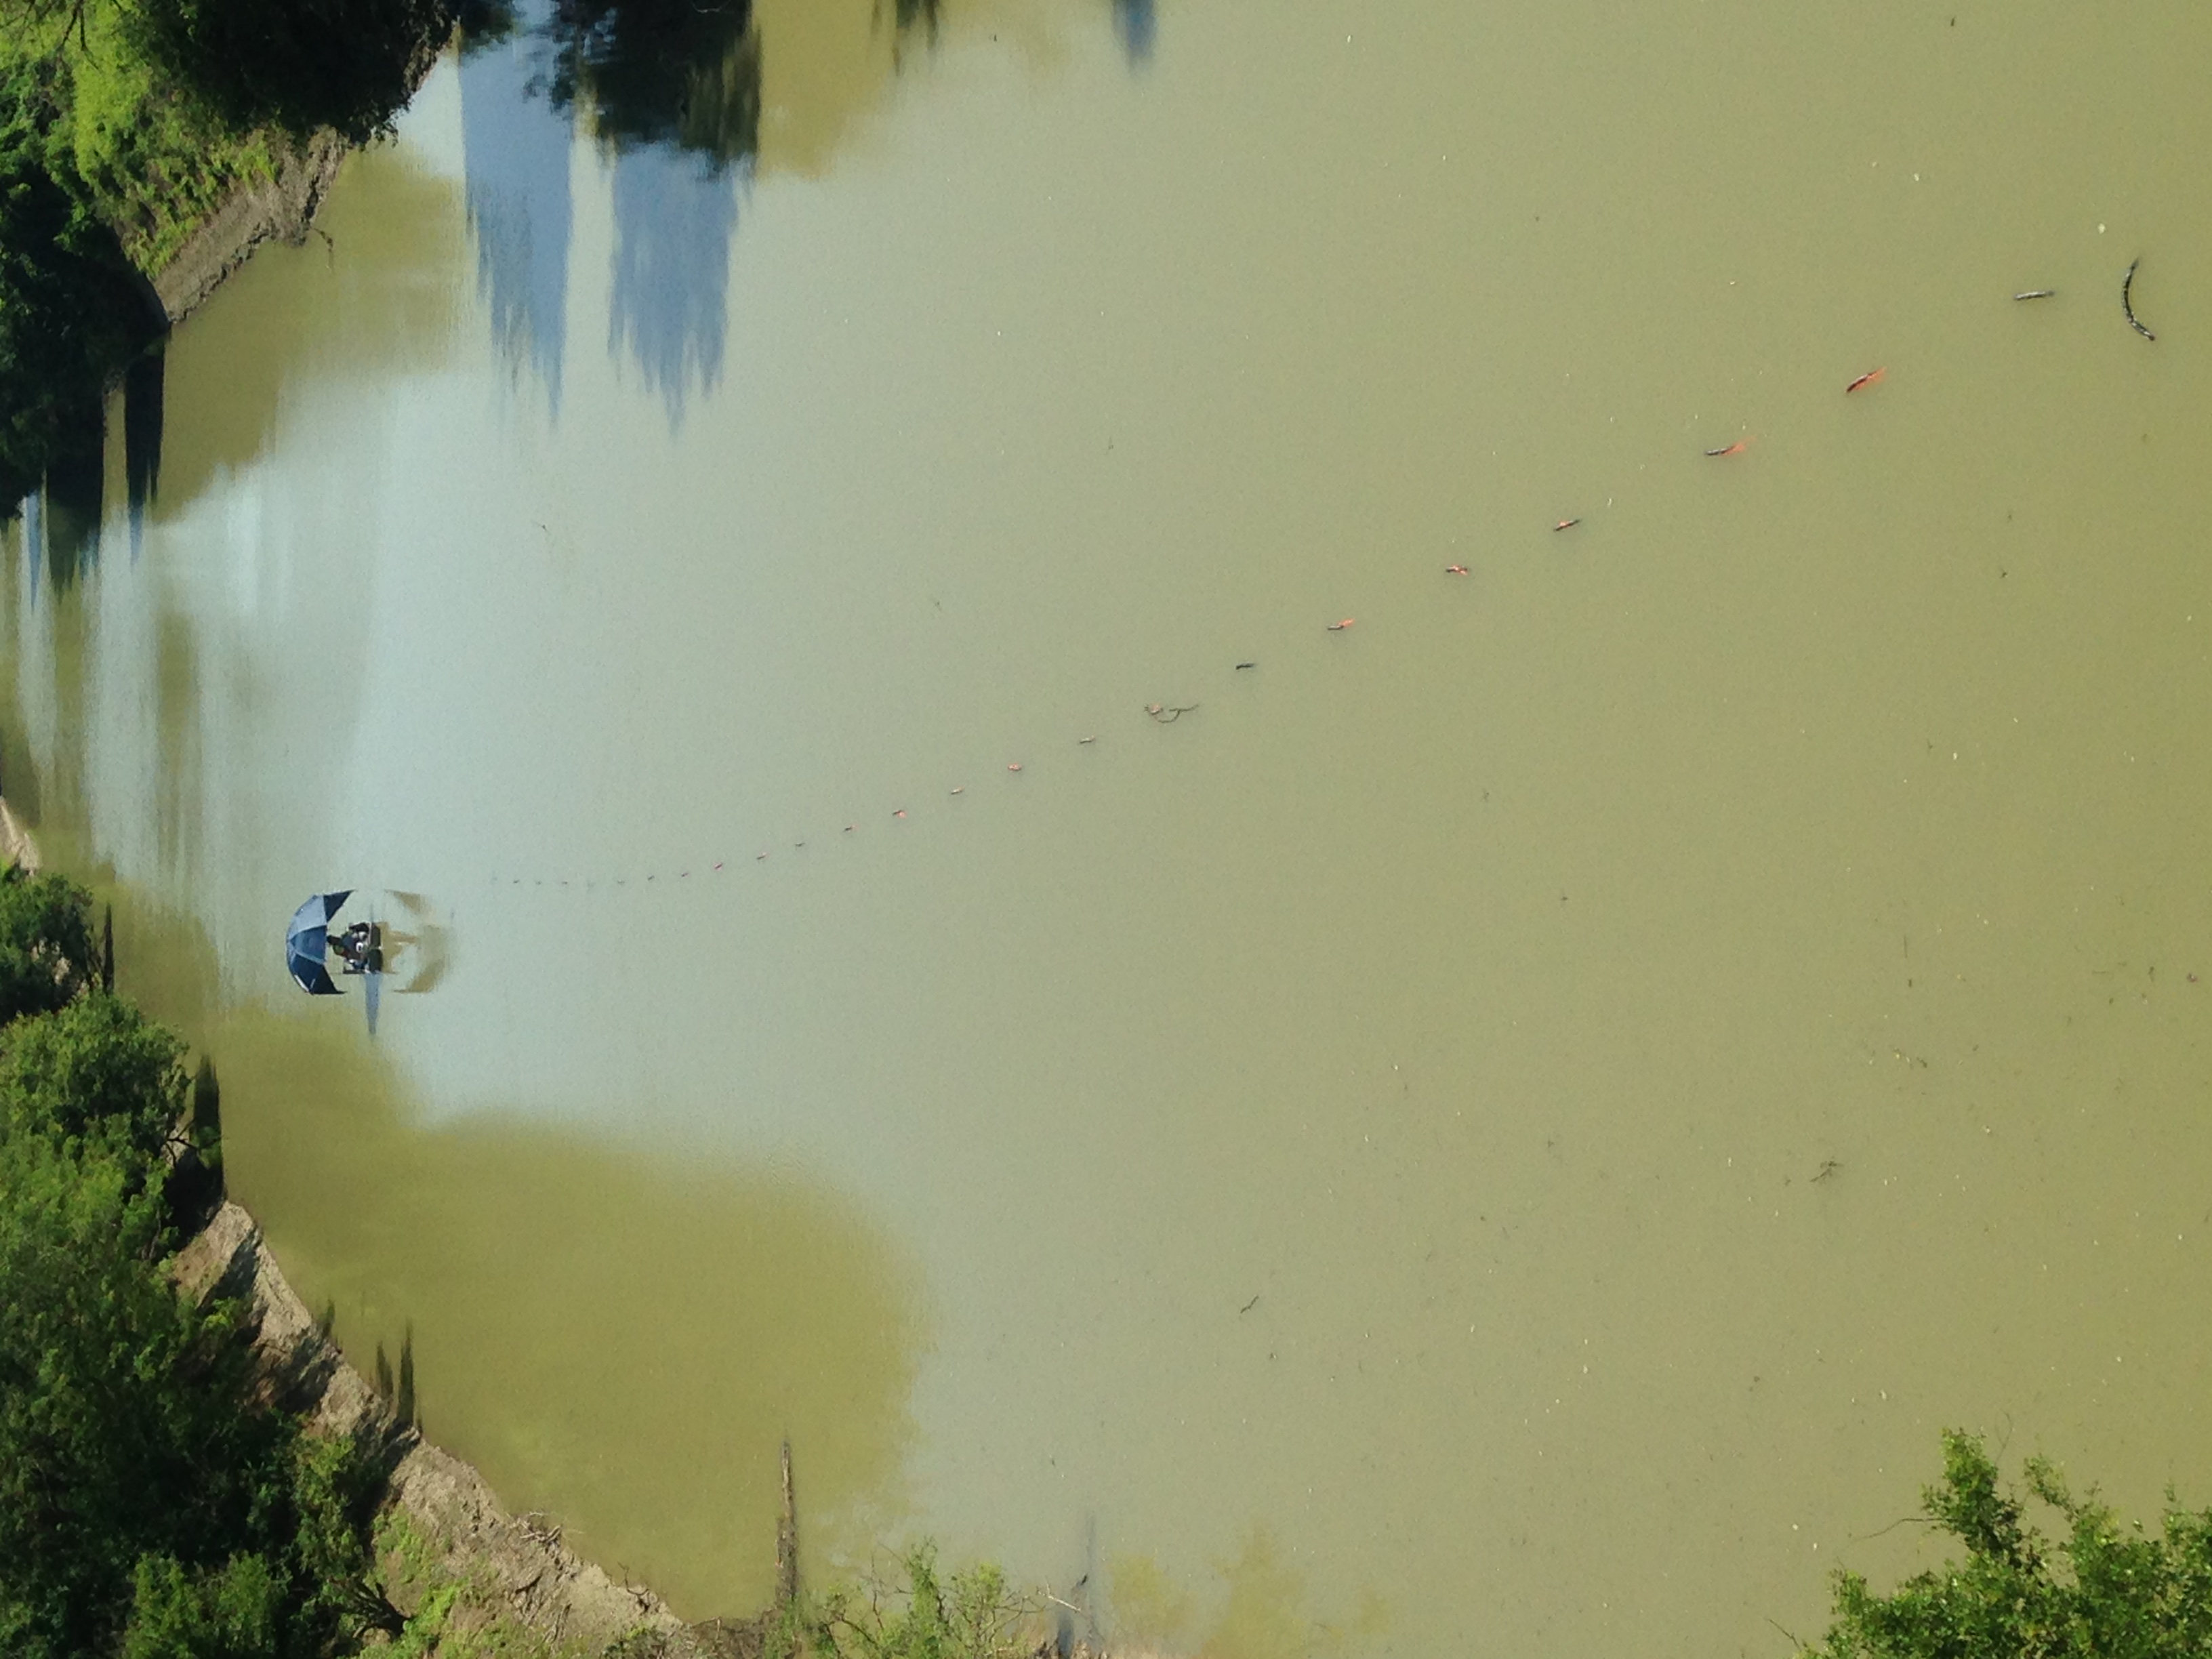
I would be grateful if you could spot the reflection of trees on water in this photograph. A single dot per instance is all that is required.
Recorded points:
(675, 212)
(662, 72)
(516, 155)
(673, 91)
(142, 442)
(671, 88)
(1135, 22)
(908, 15)
(62, 516)
(66, 530)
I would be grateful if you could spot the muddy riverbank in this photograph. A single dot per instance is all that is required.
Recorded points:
(281, 209)
(444, 1528)
(489, 1579)
(470, 1537)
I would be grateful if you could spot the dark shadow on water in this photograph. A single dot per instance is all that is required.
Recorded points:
(1137, 26)
(34, 538)
(515, 149)
(619, 1338)
(372, 304)
(907, 17)
(72, 499)
(142, 441)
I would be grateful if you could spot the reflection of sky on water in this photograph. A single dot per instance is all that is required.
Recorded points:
(675, 212)
(516, 147)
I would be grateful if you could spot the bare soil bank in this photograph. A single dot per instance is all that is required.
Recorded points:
(283, 208)
(570, 1604)
(16, 846)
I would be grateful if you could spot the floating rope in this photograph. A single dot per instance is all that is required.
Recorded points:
(1163, 713)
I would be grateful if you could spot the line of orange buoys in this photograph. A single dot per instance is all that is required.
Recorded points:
(1162, 714)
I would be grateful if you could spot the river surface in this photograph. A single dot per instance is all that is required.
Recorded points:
(1508, 1127)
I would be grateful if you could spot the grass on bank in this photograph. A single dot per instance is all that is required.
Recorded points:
(147, 159)
(123, 124)
(104, 173)
(455, 1616)
(973, 1614)
(920, 1613)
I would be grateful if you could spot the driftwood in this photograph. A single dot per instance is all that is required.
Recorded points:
(787, 1540)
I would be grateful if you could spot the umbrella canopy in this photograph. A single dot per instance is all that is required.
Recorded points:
(306, 941)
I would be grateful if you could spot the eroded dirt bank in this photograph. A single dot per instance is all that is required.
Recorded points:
(282, 208)
(457, 1531)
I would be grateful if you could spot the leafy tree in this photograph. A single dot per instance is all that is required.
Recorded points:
(96, 1071)
(72, 312)
(46, 951)
(61, 18)
(2104, 1590)
(120, 1430)
(153, 1503)
(972, 1615)
(296, 64)
(123, 124)
(228, 1612)
(334, 1494)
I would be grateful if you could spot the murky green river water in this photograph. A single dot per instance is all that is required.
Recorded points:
(1509, 1127)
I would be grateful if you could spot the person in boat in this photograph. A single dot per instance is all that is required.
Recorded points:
(351, 947)
(342, 947)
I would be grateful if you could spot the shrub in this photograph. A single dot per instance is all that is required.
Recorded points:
(151, 1502)
(2104, 1590)
(97, 1071)
(294, 65)
(46, 952)
(71, 312)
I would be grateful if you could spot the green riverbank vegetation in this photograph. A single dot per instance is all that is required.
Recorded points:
(123, 124)
(916, 1612)
(153, 1503)
(922, 1613)
(2100, 1588)
(156, 1501)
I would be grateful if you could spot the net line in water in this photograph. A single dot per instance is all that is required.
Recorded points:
(1165, 714)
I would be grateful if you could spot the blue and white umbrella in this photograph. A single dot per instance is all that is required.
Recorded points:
(306, 941)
